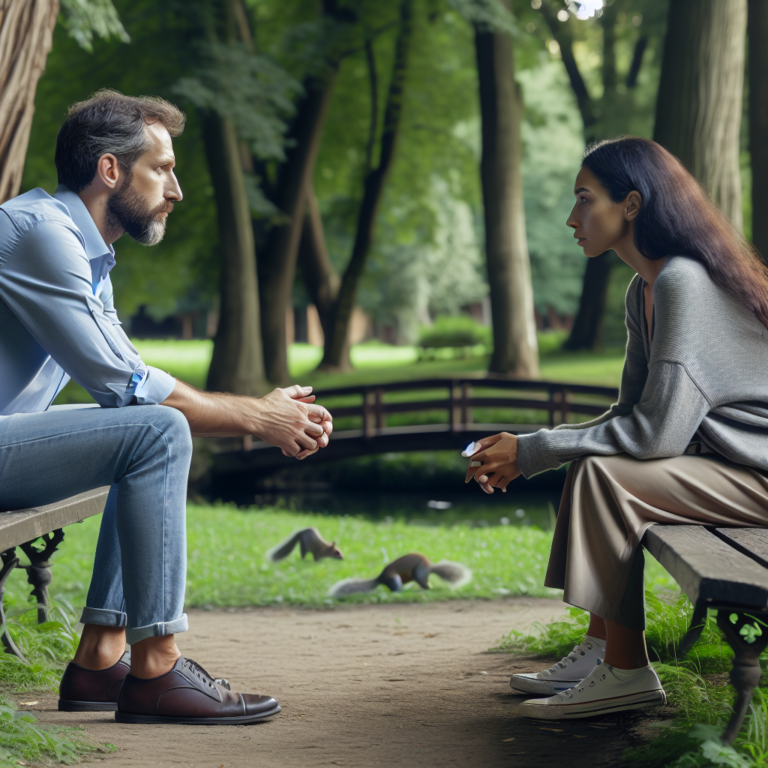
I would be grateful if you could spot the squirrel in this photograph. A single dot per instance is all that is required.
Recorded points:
(411, 567)
(310, 540)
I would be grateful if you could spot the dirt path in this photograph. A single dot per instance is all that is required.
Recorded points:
(365, 686)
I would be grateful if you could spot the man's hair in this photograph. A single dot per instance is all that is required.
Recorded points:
(109, 123)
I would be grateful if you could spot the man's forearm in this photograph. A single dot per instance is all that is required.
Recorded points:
(215, 414)
(286, 418)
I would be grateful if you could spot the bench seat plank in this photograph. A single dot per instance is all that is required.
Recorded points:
(753, 542)
(22, 525)
(709, 570)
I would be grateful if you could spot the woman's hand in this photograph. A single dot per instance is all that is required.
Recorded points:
(494, 462)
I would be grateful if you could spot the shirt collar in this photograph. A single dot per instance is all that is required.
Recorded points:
(95, 247)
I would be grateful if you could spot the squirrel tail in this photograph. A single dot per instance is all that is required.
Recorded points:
(284, 548)
(456, 574)
(352, 586)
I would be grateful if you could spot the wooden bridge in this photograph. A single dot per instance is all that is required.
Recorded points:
(449, 414)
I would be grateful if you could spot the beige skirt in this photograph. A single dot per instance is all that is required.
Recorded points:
(610, 501)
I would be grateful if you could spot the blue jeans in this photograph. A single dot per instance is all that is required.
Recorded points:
(143, 452)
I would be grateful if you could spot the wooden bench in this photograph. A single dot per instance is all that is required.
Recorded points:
(21, 528)
(725, 569)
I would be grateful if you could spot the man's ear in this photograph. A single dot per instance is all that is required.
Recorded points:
(633, 203)
(109, 171)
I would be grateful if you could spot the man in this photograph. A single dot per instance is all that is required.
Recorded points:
(115, 163)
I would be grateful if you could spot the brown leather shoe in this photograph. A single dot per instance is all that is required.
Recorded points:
(83, 690)
(188, 694)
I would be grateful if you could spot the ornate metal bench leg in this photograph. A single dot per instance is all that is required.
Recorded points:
(745, 673)
(10, 561)
(39, 570)
(698, 620)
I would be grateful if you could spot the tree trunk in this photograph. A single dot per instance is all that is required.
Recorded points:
(277, 263)
(515, 348)
(587, 331)
(26, 30)
(320, 278)
(758, 120)
(335, 356)
(588, 323)
(698, 108)
(237, 364)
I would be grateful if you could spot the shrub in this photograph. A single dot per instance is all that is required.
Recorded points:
(449, 331)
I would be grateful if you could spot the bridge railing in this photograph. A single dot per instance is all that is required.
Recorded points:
(556, 399)
(465, 402)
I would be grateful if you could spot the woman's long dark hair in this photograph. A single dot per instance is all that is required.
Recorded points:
(678, 217)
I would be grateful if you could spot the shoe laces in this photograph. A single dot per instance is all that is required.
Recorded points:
(589, 682)
(197, 670)
(578, 651)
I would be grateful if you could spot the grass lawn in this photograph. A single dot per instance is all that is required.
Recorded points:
(373, 363)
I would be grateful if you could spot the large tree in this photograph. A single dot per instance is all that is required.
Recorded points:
(336, 351)
(241, 99)
(26, 35)
(603, 116)
(25, 38)
(515, 348)
(236, 365)
(277, 261)
(758, 120)
(698, 110)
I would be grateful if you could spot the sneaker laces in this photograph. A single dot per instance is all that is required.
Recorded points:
(571, 658)
(596, 677)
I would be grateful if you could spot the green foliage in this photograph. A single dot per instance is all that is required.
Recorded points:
(486, 15)
(460, 331)
(86, 19)
(47, 647)
(251, 90)
(22, 738)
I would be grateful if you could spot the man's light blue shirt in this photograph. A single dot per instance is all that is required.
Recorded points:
(57, 313)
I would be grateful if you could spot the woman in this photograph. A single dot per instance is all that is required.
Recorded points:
(686, 443)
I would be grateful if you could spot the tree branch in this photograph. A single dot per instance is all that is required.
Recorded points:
(370, 58)
(371, 35)
(637, 61)
(564, 38)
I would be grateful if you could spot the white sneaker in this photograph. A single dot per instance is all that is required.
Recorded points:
(569, 671)
(605, 690)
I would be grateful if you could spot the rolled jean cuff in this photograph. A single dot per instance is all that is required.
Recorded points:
(103, 617)
(162, 628)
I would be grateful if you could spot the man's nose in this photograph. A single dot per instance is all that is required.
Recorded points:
(174, 193)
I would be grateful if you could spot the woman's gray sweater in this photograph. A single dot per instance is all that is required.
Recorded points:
(705, 373)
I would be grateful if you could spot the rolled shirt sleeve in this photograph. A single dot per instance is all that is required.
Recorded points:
(46, 283)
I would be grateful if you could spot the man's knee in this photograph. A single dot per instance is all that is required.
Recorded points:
(174, 427)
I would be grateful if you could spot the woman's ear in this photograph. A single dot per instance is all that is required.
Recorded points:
(632, 205)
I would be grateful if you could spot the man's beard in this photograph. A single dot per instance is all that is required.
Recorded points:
(127, 211)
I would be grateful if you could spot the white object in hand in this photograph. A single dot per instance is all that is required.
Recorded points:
(475, 463)
(469, 450)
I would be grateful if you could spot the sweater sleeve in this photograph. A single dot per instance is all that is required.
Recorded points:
(660, 425)
(635, 370)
